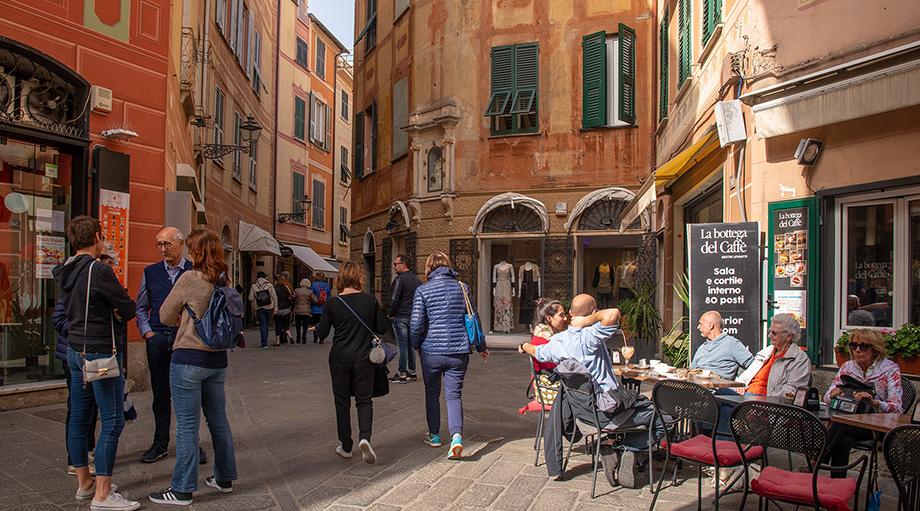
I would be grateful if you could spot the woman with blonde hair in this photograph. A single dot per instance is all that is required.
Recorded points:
(197, 374)
(438, 330)
(351, 315)
(868, 365)
(303, 298)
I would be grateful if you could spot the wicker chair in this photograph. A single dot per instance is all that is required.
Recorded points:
(902, 453)
(686, 401)
(794, 429)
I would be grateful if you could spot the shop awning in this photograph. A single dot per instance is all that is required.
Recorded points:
(314, 261)
(666, 174)
(255, 239)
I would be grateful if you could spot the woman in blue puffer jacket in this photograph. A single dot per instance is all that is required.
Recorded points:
(437, 329)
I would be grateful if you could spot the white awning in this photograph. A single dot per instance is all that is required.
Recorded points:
(309, 257)
(255, 239)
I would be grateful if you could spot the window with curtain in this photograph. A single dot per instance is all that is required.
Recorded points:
(514, 94)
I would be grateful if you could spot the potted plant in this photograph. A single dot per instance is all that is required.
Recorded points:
(842, 348)
(904, 348)
(641, 320)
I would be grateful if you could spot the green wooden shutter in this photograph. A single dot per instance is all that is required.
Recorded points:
(712, 16)
(359, 145)
(594, 80)
(299, 116)
(664, 47)
(526, 77)
(297, 193)
(684, 42)
(627, 71)
(502, 80)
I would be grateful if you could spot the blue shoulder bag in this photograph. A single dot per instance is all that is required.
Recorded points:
(473, 326)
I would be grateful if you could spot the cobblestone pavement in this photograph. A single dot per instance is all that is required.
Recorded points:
(280, 408)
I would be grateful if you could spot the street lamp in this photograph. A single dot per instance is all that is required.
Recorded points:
(249, 132)
(300, 216)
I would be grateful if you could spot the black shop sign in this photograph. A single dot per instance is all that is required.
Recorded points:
(725, 275)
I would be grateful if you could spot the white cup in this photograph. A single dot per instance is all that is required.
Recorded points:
(654, 362)
(643, 362)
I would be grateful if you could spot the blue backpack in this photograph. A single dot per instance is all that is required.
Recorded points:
(222, 323)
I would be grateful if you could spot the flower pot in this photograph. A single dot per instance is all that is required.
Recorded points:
(908, 365)
(841, 358)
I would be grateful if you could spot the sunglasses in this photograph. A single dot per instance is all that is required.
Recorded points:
(164, 244)
(860, 346)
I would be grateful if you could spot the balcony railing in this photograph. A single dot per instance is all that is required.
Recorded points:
(189, 58)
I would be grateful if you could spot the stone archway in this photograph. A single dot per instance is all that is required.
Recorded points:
(601, 210)
(511, 212)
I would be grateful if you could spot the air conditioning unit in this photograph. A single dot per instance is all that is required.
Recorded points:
(101, 99)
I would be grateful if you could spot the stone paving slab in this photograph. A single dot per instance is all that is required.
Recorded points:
(280, 408)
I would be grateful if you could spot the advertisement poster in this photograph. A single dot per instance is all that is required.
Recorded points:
(791, 302)
(725, 276)
(113, 214)
(49, 252)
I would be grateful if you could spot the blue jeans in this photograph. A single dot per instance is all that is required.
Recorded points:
(108, 394)
(264, 316)
(197, 388)
(406, 357)
(452, 368)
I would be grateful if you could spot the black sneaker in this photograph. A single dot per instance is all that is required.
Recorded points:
(221, 486)
(398, 378)
(155, 453)
(411, 376)
(202, 457)
(627, 471)
(610, 458)
(172, 498)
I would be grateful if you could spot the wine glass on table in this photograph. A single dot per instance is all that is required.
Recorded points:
(628, 352)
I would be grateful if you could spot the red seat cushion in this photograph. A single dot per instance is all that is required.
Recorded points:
(833, 494)
(699, 449)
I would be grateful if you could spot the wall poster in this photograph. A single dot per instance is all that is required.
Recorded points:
(113, 214)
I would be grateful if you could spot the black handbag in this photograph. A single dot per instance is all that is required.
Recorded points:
(381, 380)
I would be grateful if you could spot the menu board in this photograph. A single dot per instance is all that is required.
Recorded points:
(49, 252)
(725, 276)
(113, 214)
(792, 262)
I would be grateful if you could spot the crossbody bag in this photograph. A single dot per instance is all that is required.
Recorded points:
(101, 368)
(381, 352)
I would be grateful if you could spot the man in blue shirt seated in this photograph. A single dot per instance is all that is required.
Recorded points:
(721, 353)
(583, 343)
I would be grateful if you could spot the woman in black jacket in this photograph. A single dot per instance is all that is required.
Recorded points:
(352, 313)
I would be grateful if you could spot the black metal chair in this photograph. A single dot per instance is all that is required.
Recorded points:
(908, 396)
(902, 453)
(793, 429)
(539, 390)
(686, 401)
(588, 421)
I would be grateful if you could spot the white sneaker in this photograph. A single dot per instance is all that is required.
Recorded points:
(341, 452)
(115, 502)
(82, 495)
(367, 452)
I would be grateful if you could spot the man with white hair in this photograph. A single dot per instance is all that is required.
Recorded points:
(721, 353)
(782, 367)
(156, 283)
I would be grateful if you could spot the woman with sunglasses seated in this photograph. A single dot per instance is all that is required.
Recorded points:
(867, 365)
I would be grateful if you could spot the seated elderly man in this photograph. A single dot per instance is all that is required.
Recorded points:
(721, 353)
(583, 343)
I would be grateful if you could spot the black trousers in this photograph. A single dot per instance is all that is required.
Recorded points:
(303, 323)
(355, 379)
(91, 431)
(159, 356)
(282, 323)
(842, 439)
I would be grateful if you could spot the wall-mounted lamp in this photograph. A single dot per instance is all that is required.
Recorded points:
(249, 133)
(809, 151)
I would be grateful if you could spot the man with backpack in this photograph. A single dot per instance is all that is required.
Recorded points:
(156, 284)
(322, 292)
(264, 303)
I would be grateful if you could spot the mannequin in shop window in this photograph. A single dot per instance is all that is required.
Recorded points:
(502, 292)
(603, 285)
(530, 287)
(626, 276)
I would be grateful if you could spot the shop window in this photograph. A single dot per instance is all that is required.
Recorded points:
(302, 52)
(609, 78)
(869, 262)
(514, 99)
(914, 241)
(319, 204)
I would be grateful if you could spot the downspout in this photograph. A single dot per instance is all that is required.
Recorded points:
(335, 121)
(205, 58)
(274, 200)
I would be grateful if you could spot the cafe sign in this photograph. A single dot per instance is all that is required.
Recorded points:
(725, 275)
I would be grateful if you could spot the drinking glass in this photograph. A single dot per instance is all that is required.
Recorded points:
(628, 352)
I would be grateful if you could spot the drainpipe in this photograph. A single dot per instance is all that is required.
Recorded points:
(205, 57)
(335, 121)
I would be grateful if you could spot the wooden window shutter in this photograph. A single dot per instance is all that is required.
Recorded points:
(373, 120)
(663, 46)
(299, 114)
(250, 44)
(220, 15)
(297, 193)
(359, 145)
(594, 80)
(627, 75)
(526, 77)
(313, 117)
(502, 80)
(400, 117)
(326, 128)
(684, 42)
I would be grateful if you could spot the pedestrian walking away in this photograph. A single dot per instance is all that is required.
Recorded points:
(437, 329)
(264, 302)
(351, 314)
(400, 312)
(303, 297)
(322, 292)
(197, 374)
(95, 306)
(285, 296)
(156, 283)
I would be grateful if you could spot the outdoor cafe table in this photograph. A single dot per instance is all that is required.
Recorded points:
(641, 375)
(877, 423)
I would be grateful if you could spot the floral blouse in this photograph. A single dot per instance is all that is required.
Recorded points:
(884, 375)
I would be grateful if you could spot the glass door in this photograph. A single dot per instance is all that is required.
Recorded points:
(35, 188)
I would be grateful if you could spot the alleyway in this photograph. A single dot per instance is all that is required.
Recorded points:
(280, 408)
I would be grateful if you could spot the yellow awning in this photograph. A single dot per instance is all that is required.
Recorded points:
(687, 158)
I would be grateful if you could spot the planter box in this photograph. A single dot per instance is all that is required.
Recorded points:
(908, 365)
(841, 358)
